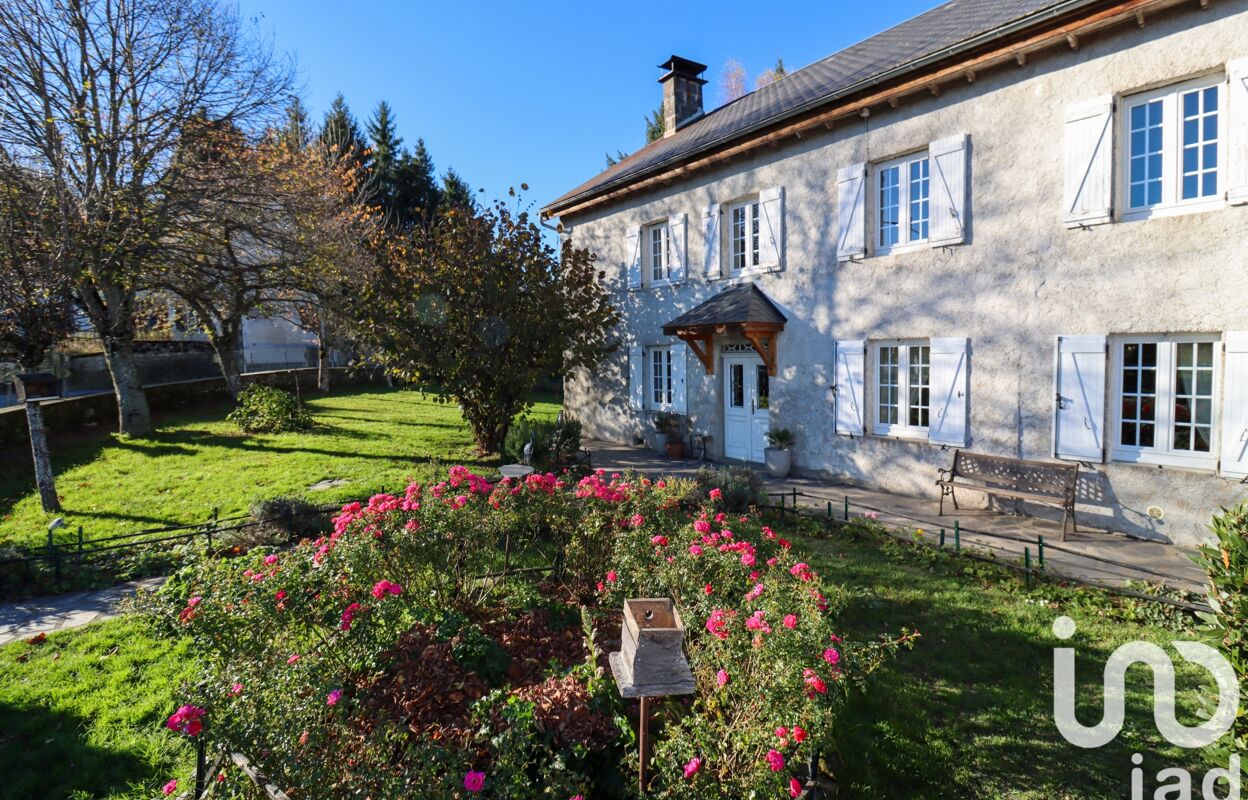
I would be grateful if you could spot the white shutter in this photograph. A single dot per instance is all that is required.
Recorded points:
(1237, 132)
(851, 208)
(1235, 406)
(771, 226)
(636, 378)
(676, 238)
(950, 362)
(710, 241)
(679, 402)
(850, 368)
(633, 249)
(1078, 427)
(1089, 163)
(947, 212)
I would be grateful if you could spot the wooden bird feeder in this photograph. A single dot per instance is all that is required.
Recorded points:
(651, 662)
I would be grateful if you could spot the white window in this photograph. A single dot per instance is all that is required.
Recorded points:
(1167, 392)
(658, 253)
(743, 236)
(1174, 148)
(660, 377)
(902, 202)
(903, 388)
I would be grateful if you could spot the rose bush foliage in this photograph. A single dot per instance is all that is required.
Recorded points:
(293, 641)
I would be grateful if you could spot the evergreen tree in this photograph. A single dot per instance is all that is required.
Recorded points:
(297, 130)
(387, 155)
(340, 133)
(655, 125)
(456, 193)
(619, 156)
(417, 195)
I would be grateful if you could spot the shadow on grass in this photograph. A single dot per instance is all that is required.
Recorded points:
(43, 753)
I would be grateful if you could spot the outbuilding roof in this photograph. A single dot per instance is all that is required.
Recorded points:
(948, 30)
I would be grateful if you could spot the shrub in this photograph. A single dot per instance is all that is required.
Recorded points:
(670, 425)
(553, 442)
(1226, 564)
(267, 409)
(780, 438)
(741, 486)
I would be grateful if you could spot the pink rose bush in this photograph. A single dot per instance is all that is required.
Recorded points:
(311, 631)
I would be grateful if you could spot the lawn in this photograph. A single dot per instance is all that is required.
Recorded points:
(81, 715)
(197, 462)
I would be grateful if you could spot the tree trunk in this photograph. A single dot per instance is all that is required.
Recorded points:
(231, 369)
(134, 418)
(43, 459)
(322, 357)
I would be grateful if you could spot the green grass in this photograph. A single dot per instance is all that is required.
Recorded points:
(373, 438)
(81, 715)
(968, 712)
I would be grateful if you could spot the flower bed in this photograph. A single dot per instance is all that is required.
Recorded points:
(378, 661)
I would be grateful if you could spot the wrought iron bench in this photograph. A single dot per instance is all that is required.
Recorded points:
(1046, 482)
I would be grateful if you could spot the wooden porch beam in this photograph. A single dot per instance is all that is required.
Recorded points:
(703, 346)
(764, 339)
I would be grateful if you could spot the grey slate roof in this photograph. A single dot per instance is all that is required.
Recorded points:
(948, 29)
(741, 303)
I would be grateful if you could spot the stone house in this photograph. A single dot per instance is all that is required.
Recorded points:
(1018, 227)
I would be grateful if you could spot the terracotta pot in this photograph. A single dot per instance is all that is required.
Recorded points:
(675, 449)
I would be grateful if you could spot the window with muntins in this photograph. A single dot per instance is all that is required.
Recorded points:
(903, 388)
(1174, 148)
(743, 235)
(1167, 391)
(660, 377)
(658, 252)
(902, 202)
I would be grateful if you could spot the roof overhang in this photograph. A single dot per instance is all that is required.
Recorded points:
(742, 310)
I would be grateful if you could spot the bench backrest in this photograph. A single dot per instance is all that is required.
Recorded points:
(1040, 477)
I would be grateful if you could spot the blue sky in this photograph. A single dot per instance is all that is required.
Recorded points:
(517, 92)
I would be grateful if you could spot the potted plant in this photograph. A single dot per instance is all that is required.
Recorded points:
(777, 454)
(672, 428)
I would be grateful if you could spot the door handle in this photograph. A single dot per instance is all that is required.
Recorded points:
(752, 409)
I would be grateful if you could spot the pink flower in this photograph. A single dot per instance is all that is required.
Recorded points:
(755, 593)
(716, 494)
(637, 521)
(872, 515)
(383, 588)
(782, 732)
(662, 485)
(756, 622)
(658, 541)
(600, 587)
(474, 781)
(831, 655)
(775, 759)
(236, 689)
(333, 697)
(170, 787)
(747, 559)
(702, 526)
(692, 767)
(708, 590)
(722, 678)
(795, 787)
(612, 576)
(187, 719)
(799, 734)
(348, 614)
(293, 658)
(801, 570)
(270, 560)
(815, 683)
(717, 623)
(790, 621)
(695, 550)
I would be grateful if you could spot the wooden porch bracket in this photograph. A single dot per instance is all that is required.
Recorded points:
(764, 338)
(703, 346)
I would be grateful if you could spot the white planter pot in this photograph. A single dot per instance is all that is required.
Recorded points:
(778, 462)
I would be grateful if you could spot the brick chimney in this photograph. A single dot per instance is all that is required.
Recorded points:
(682, 92)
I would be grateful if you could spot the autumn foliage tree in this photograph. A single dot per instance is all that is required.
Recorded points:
(481, 306)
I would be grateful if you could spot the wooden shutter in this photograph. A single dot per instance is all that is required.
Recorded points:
(950, 362)
(636, 378)
(771, 227)
(850, 398)
(1237, 132)
(633, 249)
(710, 241)
(1079, 416)
(947, 220)
(676, 244)
(1089, 167)
(680, 402)
(1235, 406)
(851, 208)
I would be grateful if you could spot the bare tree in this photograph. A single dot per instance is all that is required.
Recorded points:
(96, 96)
(731, 81)
(36, 307)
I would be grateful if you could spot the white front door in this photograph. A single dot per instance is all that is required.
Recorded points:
(747, 414)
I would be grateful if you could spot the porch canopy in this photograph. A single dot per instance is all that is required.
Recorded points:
(741, 310)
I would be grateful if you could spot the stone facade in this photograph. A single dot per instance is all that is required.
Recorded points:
(1020, 279)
